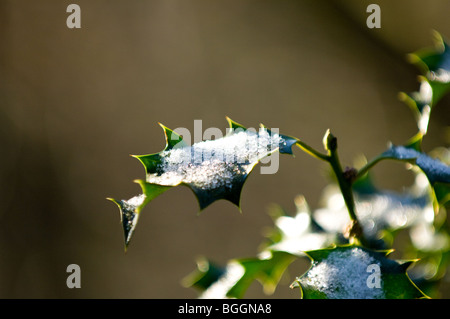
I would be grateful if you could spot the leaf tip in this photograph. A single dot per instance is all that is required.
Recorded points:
(111, 199)
(404, 264)
(172, 138)
(234, 125)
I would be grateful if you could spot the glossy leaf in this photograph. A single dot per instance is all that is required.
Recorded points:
(353, 272)
(213, 170)
(130, 209)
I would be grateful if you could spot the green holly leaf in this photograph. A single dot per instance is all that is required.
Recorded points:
(442, 193)
(353, 272)
(233, 280)
(213, 170)
(433, 60)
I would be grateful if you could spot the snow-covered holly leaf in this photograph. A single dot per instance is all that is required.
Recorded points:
(213, 170)
(233, 280)
(353, 272)
(130, 209)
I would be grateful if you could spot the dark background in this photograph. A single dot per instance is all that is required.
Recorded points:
(75, 103)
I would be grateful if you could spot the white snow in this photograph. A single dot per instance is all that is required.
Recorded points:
(216, 163)
(134, 201)
(343, 275)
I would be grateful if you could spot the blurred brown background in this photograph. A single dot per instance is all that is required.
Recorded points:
(75, 103)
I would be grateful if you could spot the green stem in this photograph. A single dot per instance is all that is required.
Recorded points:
(363, 170)
(345, 185)
(311, 151)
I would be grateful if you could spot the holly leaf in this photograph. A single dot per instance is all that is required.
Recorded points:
(353, 272)
(213, 170)
(233, 280)
(433, 60)
(130, 209)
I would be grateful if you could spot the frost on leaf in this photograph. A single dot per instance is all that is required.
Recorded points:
(130, 209)
(214, 170)
(353, 272)
(129, 214)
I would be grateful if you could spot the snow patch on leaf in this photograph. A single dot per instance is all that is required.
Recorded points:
(214, 164)
(343, 275)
